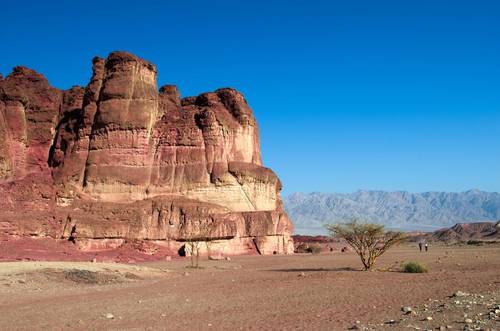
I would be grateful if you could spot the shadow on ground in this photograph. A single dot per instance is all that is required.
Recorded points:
(314, 269)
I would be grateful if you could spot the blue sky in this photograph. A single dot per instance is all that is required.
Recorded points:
(389, 95)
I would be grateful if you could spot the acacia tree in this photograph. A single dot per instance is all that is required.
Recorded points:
(196, 235)
(368, 240)
(193, 247)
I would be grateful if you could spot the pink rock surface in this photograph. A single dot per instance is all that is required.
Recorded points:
(120, 162)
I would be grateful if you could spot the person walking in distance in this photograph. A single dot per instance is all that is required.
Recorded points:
(426, 247)
(420, 246)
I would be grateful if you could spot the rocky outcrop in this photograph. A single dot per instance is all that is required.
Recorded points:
(464, 232)
(29, 109)
(119, 161)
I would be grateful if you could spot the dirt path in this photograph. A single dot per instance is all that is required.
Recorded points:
(249, 293)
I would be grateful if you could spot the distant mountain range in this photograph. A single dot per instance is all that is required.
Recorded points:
(402, 210)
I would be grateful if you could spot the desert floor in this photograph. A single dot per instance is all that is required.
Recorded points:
(309, 292)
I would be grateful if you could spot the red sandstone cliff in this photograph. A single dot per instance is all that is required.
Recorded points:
(117, 161)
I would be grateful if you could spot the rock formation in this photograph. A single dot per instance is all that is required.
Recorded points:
(119, 161)
(467, 232)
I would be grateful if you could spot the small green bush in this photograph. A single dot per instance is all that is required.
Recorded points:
(414, 268)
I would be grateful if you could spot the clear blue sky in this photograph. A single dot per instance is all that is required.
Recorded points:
(391, 95)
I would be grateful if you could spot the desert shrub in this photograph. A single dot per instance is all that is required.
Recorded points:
(414, 268)
(90, 277)
(302, 248)
(308, 248)
(314, 249)
(474, 242)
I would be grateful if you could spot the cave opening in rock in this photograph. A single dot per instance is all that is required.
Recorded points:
(72, 234)
(182, 251)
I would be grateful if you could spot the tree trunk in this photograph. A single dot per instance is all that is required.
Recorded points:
(192, 254)
(365, 263)
(197, 255)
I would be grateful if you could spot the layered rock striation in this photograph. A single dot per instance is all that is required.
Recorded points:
(121, 160)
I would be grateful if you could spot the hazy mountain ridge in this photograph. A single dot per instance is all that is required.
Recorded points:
(400, 209)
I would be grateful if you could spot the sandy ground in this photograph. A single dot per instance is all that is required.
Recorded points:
(300, 292)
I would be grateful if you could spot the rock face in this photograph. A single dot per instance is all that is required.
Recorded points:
(119, 161)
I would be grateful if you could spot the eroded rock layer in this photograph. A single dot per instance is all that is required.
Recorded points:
(119, 161)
